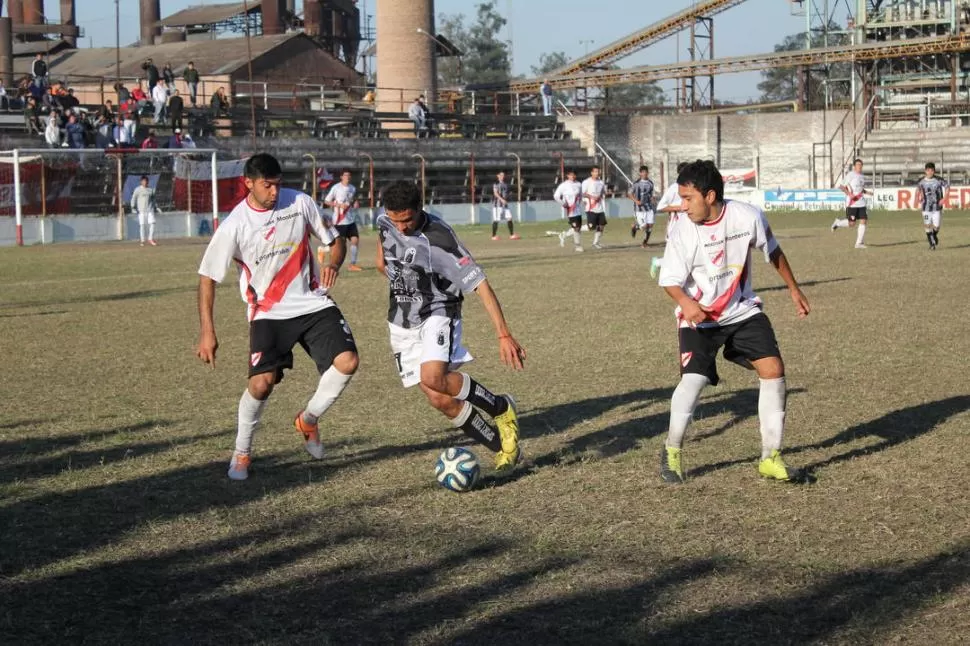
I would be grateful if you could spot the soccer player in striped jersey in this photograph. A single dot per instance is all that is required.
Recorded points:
(430, 271)
(707, 271)
(856, 214)
(930, 193)
(268, 237)
(671, 205)
(568, 195)
(594, 202)
(641, 192)
(500, 207)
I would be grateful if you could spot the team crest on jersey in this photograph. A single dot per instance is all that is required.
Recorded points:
(409, 255)
(269, 234)
(254, 358)
(464, 261)
(685, 358)
(718, 258)
(441, 338)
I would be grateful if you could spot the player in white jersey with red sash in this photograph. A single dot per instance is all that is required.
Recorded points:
(856, 213)
(707, 270)
(568, 196)
(671, 205)
(268, 237)
(594, 201)
(342, 199)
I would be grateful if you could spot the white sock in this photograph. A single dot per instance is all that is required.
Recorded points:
(682, 406)
(861, 234)
(353, 254)
(332, 383)
(250, 410)
(771, 414)
(141, 231)
(151, 231)
(841, 223)
(597, 236)
(577, 238)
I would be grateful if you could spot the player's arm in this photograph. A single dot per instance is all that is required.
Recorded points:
(511, 353)
(692, 311)
(328, 235)
(208, 343)
(918, 192)
(381, 263)
(779, 261)
(330, 200)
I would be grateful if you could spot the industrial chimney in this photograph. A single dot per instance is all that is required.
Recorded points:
(69, 17)
(312, 17)
(33, 12)
(272, 17)
(150, 13)
(405, 52)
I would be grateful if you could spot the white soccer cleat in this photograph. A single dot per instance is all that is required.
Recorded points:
(239, 466)
(578, 249)
(562, 239)
(859, 245)
(835, 225)
(597, 245)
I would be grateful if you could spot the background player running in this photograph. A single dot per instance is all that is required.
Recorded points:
(854, 187)
(268, 236)
(594, 201)
(671, 205)
(342, 199)
(707, 272)
(568, 195)
(930, 192)
(500, 206)
(429, 272)
(641, 192)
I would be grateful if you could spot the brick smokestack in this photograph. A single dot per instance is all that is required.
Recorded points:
(33, 12)
(69, 17)
(405, 55)
(272, 17)
(15, 9)
(312, 17)
(150, 13)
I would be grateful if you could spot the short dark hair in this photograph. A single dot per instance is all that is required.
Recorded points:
(344, 171)
(644, 169)
(144, 178)
(402, 196)
(263, 166)
(930, 166)
(570, 171)
(704, 176)
(856, 161)
(681, 166)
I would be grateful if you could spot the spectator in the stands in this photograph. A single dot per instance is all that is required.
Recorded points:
(219, 103)
(32, 116)
(4, 101)
(106, 110)
(39, 70)
(75, 133)
(191, 78)
(176, 106)
(103, 136)
(416, 115)
(36, 90)
(175, 141)
(69, 101)
(131, 125)
(545, 90)
(151, 73)
(120, 133)
(151, 142)
(139, 97)
(159, 98)
(52, 133)
(123, 94)
(169, 77)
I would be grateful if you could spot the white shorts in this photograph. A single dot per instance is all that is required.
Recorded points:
(146, 218)
(643, 217)
(437, 339)
(932, 219)
(500, 213)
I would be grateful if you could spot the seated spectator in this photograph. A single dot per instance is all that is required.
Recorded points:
(187, 141)
(32, 116)
(139, 97)
(75, 133)
(123, 94)
(416, 115)
(69, 101)
(151, 142)
(175, 141)
(52, 134)
(36, 90)
(106, 110)
(219, 104)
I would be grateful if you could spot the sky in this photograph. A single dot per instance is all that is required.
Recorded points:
(540, 26)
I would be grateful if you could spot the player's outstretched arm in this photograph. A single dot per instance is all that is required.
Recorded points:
(208, 343)
(511, 353)
(780, 262)
(328, 274)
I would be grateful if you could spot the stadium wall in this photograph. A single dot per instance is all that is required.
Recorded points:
(779, 144)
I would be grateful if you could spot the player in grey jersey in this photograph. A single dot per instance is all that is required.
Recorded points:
(641, 192)
(430, 271)
(931, 192)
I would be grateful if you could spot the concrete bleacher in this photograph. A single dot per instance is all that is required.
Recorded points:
(895, 157)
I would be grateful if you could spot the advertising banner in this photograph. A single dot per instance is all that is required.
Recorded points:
(804, 200)
(904, 198)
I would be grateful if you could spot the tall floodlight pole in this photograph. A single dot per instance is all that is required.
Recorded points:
(117, 42)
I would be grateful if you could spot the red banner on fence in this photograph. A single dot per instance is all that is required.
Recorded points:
(45, 189)
(193, 185)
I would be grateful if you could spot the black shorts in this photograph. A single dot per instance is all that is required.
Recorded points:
(856, 213)
(324, 335)
(576, 221)
(743, 342)
(594, 220)
(347, 231)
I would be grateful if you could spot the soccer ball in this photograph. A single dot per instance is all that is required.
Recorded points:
(457, 469)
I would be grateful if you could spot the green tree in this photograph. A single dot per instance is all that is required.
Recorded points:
(782, 83)
(486, 57)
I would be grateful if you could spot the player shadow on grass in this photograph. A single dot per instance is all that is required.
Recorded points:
(901, 243)
(858, 606)
(890, 430)
(102, 298)
(42, 445)
(26, 314)
(809, 283)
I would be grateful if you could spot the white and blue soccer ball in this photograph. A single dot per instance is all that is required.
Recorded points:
(457, 469)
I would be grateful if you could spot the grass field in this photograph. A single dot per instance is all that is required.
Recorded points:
(118, 524)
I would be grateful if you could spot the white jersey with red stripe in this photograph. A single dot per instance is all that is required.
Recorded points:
(342, 197)
(568, 194)
(594, 192)
(712, 262)
(277, 277)
(856, 184)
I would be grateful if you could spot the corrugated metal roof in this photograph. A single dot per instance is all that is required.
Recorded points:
(33, 47)
(211, 57)
(208, 14)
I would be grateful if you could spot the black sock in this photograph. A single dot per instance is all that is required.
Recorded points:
(511, 228)
(929, 238)
(481, 397)
(646, 236)
(936, 238)
(494, 228)
(472, 424)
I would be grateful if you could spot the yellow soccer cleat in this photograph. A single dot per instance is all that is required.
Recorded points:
(671, 467)
(508, 430)
(774, 468)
